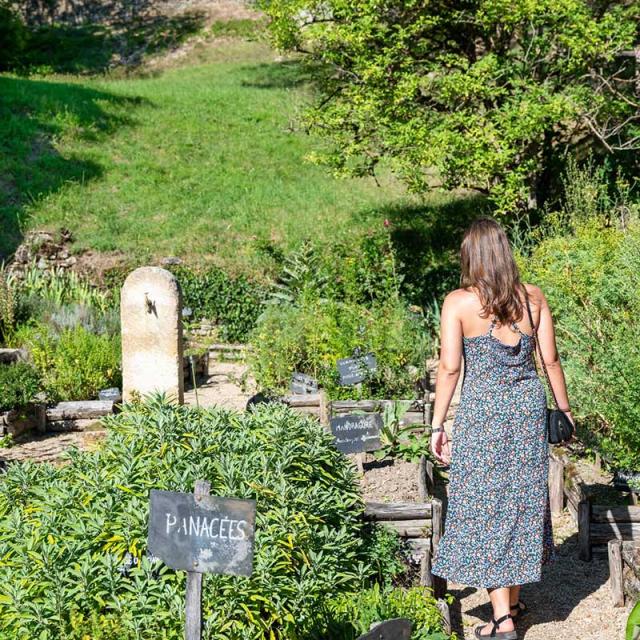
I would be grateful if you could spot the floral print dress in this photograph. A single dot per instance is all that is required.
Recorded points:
(498, 525)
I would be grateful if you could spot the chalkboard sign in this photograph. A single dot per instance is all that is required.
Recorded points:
(203, 534)
(354, 370)
(302, 384)
(626, 480)
(396, 629)
(356, 433)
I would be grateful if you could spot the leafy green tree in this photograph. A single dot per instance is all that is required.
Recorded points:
(487, 95)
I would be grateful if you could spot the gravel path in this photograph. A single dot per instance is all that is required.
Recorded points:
(571, 602)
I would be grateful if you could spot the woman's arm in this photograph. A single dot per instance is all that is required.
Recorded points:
(547, 342)
(448, 373)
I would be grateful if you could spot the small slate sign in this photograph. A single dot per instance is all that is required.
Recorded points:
(396, 629)
(357, 432)
(302, 384)
(354, 370)
(203, 534)
(624, 480)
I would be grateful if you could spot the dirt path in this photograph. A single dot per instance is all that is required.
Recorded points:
(224, 387)
(571, 602)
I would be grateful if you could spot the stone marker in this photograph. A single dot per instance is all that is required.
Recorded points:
(150, 307)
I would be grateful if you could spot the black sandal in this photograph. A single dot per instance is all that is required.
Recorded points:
(520, 607)
(498, 635)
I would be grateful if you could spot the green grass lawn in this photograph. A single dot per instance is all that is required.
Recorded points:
(199, 161)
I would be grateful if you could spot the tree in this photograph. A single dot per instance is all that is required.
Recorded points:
(488, 95)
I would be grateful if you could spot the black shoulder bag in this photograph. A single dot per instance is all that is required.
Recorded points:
(559, 427)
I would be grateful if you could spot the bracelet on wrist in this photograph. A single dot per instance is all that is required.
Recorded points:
(437, 429)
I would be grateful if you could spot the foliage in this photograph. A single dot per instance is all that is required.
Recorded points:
(233, 303)
(353, 616)
(588, 266)
(74, 364)
(19, 383)
(13, 35)
(489, 95)
(65, 530)
(60, 287)
(7, 305)
(311, 338)
(633, 623)
(387, 554)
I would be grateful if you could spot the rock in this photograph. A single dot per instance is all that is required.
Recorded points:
(169, 260)
(42, 264)
(69, 262)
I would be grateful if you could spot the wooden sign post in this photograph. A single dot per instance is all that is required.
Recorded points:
(199, 533)
(193, 598)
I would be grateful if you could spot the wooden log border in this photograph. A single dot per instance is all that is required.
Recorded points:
(597, 524)
(623, 554)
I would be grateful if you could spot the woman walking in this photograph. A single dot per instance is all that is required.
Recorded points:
(498, 527)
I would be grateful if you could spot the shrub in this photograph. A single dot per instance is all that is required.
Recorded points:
(233, 303)
(19, 383)
(13, 36)
(65, 530)
(588, 266)
(74, 364)
(58, 288)
(311, 338)
(352, 616)
(7, 305)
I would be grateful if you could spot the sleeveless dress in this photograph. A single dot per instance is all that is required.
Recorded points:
(498, 524)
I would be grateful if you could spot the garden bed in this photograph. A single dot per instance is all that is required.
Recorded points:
(584, 488)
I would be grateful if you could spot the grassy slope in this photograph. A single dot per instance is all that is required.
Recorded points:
(196, 161)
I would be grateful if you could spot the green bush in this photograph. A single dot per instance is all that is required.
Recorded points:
(13, 36)
(74, 364)
(233, 303)
(65, 530)
(7, 306)
(353, 616)
(588, 266)
(19, 383)
(312, 337)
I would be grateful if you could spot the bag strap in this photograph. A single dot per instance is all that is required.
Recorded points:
(537, 347)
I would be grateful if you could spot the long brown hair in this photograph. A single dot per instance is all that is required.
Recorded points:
(488, 266)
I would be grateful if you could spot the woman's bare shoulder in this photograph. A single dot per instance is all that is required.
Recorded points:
(459, 298)
(534, 292)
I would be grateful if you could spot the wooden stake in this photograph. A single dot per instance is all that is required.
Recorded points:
(437, 528)
(615, 572)
(426, 577)
(193, 599)
(584, 531)
(360, 464)
(556, 485)
(425, 478)
(446, 616)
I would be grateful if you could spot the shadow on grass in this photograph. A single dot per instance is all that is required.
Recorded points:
(32, 114)
(286, 74)
(427, 242)
(99, 46)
